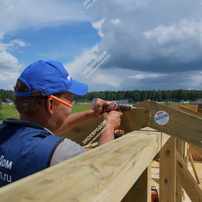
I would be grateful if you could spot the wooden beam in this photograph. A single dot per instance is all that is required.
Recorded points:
(181, 147)
(135, 119)
(168, 171)
(102, 174)
(181, 124)
(193, 167)
(187, 181)
(143, 186)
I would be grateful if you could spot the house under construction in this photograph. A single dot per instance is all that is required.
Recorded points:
(121, 170)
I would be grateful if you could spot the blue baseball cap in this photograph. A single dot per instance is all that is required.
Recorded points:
(49, 77)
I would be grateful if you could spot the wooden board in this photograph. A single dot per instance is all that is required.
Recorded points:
(189, 107)
(143, 186)
(182, 148)
(187, 181)
(135, 119)
(168, 171)
(104, 174)
(196, 152)
(181, 124)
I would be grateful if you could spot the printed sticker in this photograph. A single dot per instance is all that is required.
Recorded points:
(161, 118)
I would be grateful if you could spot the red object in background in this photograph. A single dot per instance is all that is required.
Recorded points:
(154, 194)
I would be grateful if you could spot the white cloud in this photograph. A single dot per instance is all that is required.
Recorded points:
(8, 61)
(10, 69)
(80, 63)
(9, 64)
(17, 15)
(107, 79)
(153, 48)
(148, 46)
(18, 43)
(195, 80)
(122, 79)
(178, 32)
(180, 42)
(115, 21)
(82, 67)
(1, 35)
(104, 79)
(21, 14)
(98, 26)
(147, 37)
(145, 75)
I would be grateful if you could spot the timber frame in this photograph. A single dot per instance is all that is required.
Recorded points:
(120, 170)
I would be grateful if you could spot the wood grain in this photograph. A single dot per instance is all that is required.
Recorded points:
(104, 174)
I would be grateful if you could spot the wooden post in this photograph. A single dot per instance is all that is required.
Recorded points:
(193, 167)
(141, 191)
(181, 147)
(187, 181)
(168, 172)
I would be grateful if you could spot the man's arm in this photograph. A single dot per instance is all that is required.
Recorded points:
(73, 119)
(68, 149)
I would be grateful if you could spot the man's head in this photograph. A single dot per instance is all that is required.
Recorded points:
(44, 93)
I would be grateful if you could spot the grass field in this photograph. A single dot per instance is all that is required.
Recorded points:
(80, 107)
(9, 111)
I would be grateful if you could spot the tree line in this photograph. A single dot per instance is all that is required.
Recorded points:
(140, 95)
(131, 96)
(6, 94)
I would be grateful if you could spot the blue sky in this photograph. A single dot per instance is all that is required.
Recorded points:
(61, 43)
(109, 44)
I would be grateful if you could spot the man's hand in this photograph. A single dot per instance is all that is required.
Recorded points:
(98, 105)
(113, 122)
(113, 119)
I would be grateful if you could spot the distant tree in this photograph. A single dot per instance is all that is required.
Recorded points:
(132, 96)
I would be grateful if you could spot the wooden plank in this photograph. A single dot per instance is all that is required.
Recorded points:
(181, 147)
(143, 186)
(181, 124)
(134, 119)
(187, 181)
(190, 107)
(102, 174)
(168, 171)
(194, 168)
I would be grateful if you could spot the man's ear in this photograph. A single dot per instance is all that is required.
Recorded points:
(50, 105)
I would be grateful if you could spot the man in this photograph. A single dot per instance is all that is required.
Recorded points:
(44, 95)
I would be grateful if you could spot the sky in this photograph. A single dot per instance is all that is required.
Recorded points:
(108, 44)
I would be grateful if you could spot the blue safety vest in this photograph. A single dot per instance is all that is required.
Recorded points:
(25, 148)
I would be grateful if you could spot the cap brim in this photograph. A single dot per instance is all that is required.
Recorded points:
(78, 88)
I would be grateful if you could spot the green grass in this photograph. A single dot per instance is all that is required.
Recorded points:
(80, 107)
(9, 111)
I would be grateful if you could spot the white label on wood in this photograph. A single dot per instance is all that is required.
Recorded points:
(161, 118)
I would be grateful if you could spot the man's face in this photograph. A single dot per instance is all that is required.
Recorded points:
(60, 111)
